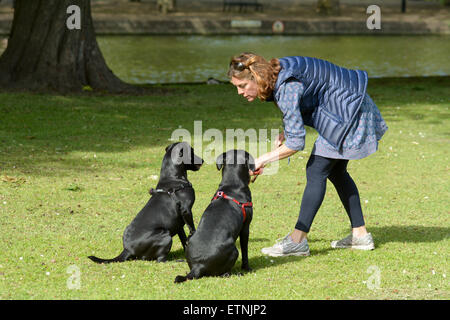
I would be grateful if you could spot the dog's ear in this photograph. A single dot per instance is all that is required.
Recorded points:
(220, 161)
(185, 153)
(170, 145)
(176, 153)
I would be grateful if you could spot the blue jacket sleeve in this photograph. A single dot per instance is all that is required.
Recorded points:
(288, 98)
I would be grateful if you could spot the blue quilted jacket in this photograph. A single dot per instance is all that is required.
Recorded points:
(332, 95)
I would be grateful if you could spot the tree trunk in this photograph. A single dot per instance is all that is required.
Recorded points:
(44, 55)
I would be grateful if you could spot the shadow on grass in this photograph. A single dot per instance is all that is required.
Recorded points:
(176, 256)
(40, 130)
(414, 234)
(179, 254)
(382, 235)
(256, 239)
(39, 133)
(256, 263)
(263, 261)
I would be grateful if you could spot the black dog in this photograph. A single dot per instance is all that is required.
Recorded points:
(149, 236)
(211, 251)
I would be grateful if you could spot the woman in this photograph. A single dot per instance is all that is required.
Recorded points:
(333, 100)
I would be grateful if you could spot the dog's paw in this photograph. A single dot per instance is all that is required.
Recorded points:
(247, 268)
(180, 279)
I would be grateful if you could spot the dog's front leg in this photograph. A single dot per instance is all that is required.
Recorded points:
(244, 236)
(186, 213)
(183, 238)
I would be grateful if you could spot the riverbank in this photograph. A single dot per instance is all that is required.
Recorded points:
(205, 18)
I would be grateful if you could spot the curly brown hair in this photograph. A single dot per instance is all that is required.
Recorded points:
(251, 66)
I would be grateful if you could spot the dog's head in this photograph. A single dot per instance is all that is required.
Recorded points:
(181, 153)
(239, 161)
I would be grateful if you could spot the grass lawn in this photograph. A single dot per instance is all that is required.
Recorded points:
(75, 170)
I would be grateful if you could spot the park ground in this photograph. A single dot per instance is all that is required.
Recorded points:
(76, 169)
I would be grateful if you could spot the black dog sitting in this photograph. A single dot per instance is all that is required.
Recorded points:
(211, 251)
(149, 236)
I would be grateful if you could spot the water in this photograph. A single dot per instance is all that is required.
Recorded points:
(169, 59)
(177, 59)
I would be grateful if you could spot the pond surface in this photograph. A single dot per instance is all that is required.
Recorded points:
(175, 59)
(178, 59)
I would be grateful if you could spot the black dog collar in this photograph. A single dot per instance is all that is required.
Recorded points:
(170, 191)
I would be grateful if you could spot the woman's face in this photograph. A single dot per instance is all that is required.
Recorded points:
(245, 87)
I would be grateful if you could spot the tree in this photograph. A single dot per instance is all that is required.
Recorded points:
(43, 53)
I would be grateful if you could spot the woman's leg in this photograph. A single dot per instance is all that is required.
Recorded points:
(349, 195)
(317, 171)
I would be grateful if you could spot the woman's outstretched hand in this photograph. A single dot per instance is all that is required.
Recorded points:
(280, 152)
(258, 170)
(259, 167)
(259, 164)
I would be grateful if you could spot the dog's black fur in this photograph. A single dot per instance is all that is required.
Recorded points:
(211, 251)
(149, 236)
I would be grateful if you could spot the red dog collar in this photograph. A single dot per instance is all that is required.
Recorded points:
(221, 194)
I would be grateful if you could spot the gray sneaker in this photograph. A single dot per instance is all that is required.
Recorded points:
(362, 243)
(286, 247)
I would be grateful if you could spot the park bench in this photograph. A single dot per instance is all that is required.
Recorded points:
(242, 4)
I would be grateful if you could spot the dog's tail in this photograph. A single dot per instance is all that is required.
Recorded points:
(194, 274)
(124, 256)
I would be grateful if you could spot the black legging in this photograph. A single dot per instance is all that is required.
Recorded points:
(318, 169)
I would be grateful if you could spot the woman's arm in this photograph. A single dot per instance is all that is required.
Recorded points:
(279, 153)
(288, 100)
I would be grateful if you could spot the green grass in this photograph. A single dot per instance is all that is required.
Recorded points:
(75, 170)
